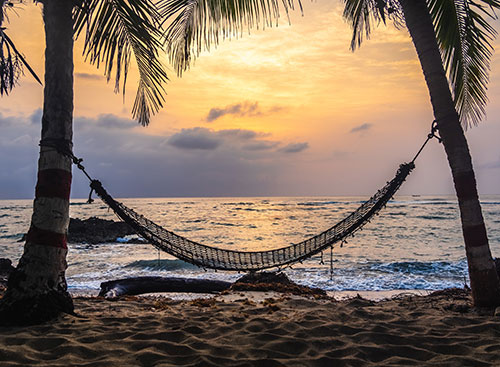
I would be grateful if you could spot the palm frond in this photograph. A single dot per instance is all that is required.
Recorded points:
(3, 5)
(116, 31)
(12, 62)
(358, 14)
(10, 66)
(464, 37)
(362, 14)
(200, 23)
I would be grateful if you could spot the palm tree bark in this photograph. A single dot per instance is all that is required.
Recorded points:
(37, 289)
(484, 280)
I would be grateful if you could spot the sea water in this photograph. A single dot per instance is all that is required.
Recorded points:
(414, 244)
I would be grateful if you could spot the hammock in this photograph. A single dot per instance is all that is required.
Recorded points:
(216, 258)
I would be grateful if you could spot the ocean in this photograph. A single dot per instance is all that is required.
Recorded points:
(414, 244)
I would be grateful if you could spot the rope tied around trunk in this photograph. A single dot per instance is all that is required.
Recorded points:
(65, 147)
(432, 134)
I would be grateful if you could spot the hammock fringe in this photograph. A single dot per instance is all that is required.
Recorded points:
(216, 258)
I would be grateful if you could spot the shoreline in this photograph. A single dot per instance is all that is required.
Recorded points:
(378, 295)
(337, 295)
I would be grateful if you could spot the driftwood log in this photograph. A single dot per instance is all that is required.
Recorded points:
(141, 285)
(256, 282)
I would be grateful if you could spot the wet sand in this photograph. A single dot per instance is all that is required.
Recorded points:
(242, 329)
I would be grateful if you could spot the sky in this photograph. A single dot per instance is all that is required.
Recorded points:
(285, 111)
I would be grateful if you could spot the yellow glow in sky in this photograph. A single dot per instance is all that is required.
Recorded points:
(360, 114)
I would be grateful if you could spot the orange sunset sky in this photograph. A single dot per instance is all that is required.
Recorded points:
(285, 111)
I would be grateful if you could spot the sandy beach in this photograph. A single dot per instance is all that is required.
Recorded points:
(270, 329)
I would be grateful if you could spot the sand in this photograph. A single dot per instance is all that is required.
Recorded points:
(274, 330)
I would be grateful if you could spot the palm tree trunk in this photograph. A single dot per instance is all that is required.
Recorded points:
(483, 276)
(37, 289)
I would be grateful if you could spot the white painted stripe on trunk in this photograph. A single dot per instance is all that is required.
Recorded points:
(478, 258)
(45, 263)
(51, 159)
(51, 214)
(471, 213)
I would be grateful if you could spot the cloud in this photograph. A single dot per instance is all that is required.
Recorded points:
(89, 76)
(261, 145)
(294, 147)
(239, 109)
(110, 121)
(25, 140)
(36, 116)
(134, 163)
(275, 109)
(201, 138)
(197, 138)
(363, 127)
(238, 134)
(4, 121)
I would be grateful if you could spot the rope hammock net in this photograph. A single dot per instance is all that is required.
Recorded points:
(216, 258)
(224, 259)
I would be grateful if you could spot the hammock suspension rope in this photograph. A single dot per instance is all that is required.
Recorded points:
(215, 258)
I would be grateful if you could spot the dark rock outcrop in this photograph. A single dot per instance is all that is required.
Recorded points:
(96, 230)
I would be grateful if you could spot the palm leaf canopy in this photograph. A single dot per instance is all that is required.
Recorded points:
(117, 30)
(197, 24)
(463, 35)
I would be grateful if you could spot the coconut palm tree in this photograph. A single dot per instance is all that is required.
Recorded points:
(452, 40)
(451, 35)
(116, 32)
